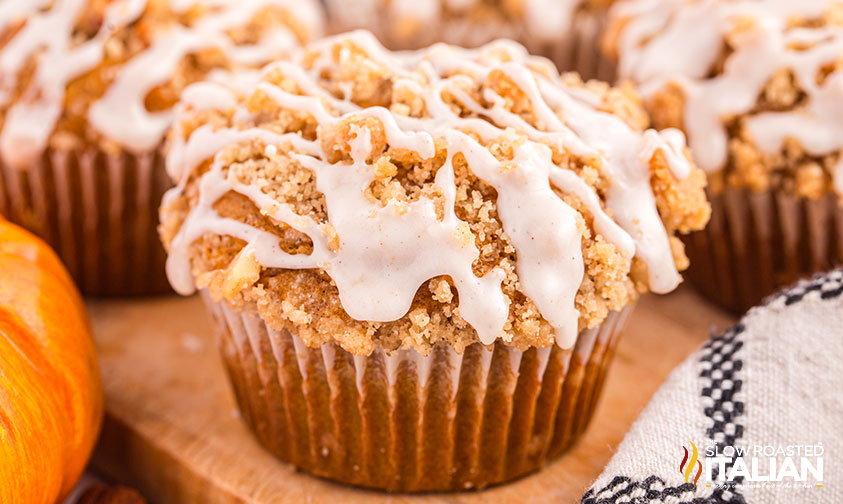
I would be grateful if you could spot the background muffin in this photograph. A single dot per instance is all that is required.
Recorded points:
(565, 31)
(86, 92)
(419, 262)
(758, 88)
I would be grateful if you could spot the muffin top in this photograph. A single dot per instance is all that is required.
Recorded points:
(77, 73)
(756, 85)
(406, 23)
(444, 195)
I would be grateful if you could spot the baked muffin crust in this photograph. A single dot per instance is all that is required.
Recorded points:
(407, 199)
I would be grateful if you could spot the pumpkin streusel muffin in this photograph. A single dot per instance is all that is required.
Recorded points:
(758, 88)
(420, 262)
(566, 31)
(86, 95)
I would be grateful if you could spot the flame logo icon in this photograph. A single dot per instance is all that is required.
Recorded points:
(686, 467)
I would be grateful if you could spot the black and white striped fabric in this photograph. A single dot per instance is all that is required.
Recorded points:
(771, 383)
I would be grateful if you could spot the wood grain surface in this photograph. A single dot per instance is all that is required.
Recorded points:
(172, 429)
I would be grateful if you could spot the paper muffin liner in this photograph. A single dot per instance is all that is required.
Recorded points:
(577, 49)
(406, 422)
(98, 211)
(758, 241)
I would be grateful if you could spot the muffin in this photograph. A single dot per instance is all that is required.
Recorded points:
(419, 263)
(567, 31)
(86, 96)
(757, 88)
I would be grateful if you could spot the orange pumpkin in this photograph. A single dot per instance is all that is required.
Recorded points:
(51, 401)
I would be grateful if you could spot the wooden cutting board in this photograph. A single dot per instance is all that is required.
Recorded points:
(172, 429)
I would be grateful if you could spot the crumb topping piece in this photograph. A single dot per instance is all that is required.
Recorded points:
(407, 198)
(757, 86)
(77, 72)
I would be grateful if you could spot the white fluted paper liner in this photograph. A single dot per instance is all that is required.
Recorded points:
(98, 211)
(758, 241)
(408, 422)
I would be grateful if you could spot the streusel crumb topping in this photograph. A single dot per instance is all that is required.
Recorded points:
(407, 199)
(106, 73)
(755, 85)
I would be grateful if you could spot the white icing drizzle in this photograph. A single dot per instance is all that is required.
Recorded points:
(120, 115)
(385, 252)
(675, 41)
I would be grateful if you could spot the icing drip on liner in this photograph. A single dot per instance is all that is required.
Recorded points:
(675, 41)
(386, 253)
(120, 115)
